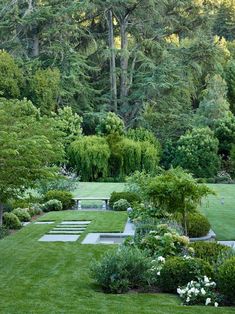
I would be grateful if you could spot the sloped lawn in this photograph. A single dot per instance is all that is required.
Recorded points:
(46, 278)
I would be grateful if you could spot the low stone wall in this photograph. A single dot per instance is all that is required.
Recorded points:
(209, 237)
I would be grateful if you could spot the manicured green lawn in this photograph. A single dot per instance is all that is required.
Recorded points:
(48, 278)
(221, 216)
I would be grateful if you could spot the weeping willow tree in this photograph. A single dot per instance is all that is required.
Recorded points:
(90, 157)
(149, 157)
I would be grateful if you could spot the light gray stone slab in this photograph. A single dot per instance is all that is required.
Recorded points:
(228, 243)
(25, 223)
(44, 222)
(77, 222)
(59, 238)
(64, 232)
(69, 229)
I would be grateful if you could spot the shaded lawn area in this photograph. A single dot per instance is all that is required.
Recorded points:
(43, 278)
(221, 216)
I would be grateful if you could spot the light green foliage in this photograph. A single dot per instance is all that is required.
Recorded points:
(69, 123)
(22, 214)
(225, 133)
(29, 144)
(111, 124)
(176, 191)
(197, 151)
(164, 241)
(130, 154)
(45, 86)
(143, 135)
(11, 221)
(11, 77)
(52, 205)
(121, 205)
(90, 155)
(214, 104)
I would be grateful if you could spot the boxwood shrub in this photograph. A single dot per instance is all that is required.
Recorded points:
(52, 205)
(11, 221)
(131, 197)
(22, 214)
(178, 271)
(197, 224)
(65, 197)
(121, 205)
(210, 251)
(226, 279)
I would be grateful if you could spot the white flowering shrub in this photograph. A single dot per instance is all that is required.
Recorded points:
(201, 291)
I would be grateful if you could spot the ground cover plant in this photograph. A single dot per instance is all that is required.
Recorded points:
(36, 271)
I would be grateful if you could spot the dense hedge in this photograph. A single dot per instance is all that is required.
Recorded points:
(178, 271)
(226, 279)
(65, 197)
(11, 221)
(131, 197)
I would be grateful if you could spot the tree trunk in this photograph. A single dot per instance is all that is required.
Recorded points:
(113, 79)
(185, 222)
(124, 62)
(35, 42)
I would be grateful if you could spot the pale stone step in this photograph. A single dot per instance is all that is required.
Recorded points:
(59, 238)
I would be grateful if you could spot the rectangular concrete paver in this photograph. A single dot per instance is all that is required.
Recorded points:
(78, 222)
(59, 238)
(44, 222)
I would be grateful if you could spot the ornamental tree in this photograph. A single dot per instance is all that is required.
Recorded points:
(176, 191)
(29, 145)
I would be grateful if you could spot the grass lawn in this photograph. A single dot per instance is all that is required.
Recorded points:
(46, 278)
(221, 216)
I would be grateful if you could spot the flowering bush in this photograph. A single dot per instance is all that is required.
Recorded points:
(165, 241)
(200, 291)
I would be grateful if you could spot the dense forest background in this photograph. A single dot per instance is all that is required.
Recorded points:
(165, 66)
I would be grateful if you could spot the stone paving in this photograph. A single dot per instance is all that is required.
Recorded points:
(66, 231)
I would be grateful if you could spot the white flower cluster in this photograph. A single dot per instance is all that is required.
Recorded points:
(158, 264)
(197, 292)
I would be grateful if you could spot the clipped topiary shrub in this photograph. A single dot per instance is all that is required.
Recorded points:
(226, 280)
(210, 251)
(198, 225)
(178, 271)
(121, 205)
(52, 205)
(118, 271)
(11, 221)
(22, 214)
(65, 197)
(131, 197)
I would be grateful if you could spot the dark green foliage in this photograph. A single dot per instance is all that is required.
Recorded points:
(90, 157)
(22, 214)
(178, 271)
(210, 251)
(52, 205)
(197, 225)
(11, 221)
(197, 151)
(225, 133)
(226, 279)
(121, 205)
(120, 270)
(65, 197)
(131, 197)
(3, 232)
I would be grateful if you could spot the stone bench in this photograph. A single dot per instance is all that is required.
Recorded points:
(78, 201)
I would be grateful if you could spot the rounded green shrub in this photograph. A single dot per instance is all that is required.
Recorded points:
(198, 225)
(131, 197)
(121, 205)
(120, 270)
(226, 280)
(210, 251)
(178, 271)
(22, 214)
(52, 205)
(11, 221)
(65, 197)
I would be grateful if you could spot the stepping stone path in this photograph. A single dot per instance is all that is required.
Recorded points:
(66, 231)
(44, 222)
